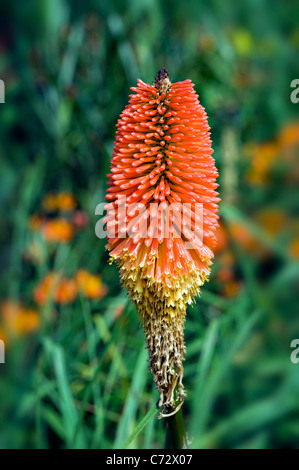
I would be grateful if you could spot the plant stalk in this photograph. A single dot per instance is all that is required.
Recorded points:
(176, 436)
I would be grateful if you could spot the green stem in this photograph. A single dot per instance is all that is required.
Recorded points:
(177, 438)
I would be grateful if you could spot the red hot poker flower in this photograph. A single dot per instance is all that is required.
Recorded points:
(162, 162)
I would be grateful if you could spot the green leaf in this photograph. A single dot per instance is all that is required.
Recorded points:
(143, 423)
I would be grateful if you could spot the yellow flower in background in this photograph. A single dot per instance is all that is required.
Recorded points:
(58, 230)
(17, 319)
(90, 285)
(49, 203)
(272, 220)
(294, 248)
(242, 41)
(289, 135)
(262, 156)
(66, 291)
(265, 156)
(66, 201)
(63, 290)
(46, 288)
(53, 287)
(63, 201)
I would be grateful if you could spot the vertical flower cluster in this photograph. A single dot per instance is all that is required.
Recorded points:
(162, 162)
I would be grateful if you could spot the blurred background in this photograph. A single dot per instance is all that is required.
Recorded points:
(76, 371)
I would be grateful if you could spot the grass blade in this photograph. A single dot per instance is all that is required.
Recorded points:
(143, 423)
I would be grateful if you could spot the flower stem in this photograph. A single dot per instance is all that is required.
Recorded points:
(176, 436)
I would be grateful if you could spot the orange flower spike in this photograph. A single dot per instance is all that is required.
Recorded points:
(161, 161)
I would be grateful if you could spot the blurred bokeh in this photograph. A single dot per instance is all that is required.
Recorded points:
(76, 371)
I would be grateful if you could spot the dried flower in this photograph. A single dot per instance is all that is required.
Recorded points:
(162, 155)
